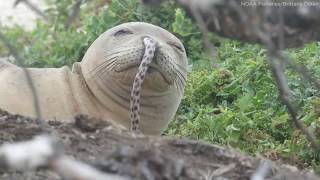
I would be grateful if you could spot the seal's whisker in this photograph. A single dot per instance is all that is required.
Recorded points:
(181, 75)
(108, 67)
(105, 62)
(110, 55)
(179, 66)
(104, 65)
(110, 58)
(181, 78)
(117, 52)
(179, 83)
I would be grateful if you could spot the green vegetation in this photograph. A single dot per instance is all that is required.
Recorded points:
(234, 105)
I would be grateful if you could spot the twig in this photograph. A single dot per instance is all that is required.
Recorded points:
(301, 69)
(262, 171)
(283, 87)
(285, 96)
(33, 7)
(45, 151)
(203, 28)
(74, 14)
(20, 62)
(223, 170)
(151, 2)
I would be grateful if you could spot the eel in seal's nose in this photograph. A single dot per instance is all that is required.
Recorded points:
(150, 48)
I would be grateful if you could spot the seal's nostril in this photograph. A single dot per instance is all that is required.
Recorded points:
(148, 39)
(155, 60)
(145, 37)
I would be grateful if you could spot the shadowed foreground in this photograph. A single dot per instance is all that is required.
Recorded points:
(114, 151)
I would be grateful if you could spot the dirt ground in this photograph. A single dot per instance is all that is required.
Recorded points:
(113, 150)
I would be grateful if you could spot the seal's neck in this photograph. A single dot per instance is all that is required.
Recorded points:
(84, 97)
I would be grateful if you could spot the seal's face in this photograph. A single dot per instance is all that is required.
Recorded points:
(111, 64)
(123, 49)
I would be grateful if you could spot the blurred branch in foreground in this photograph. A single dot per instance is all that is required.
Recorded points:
(44, 151)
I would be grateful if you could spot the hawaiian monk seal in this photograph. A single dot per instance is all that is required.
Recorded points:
(100, 85)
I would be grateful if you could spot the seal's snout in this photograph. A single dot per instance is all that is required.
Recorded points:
(149, 44)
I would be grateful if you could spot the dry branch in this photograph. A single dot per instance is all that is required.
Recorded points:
(235, 18)
(277, 71)
(74, 13)
(45, 151)
(33, 7)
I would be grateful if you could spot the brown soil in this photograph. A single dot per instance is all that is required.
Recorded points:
(113, 150)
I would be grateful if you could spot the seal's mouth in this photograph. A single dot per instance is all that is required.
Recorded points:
(152, 71)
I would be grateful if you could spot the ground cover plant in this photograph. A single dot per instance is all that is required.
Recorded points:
(235, 104)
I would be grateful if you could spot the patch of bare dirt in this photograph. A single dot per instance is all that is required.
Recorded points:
(113, 150)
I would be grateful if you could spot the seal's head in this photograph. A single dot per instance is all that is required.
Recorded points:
(111, 63)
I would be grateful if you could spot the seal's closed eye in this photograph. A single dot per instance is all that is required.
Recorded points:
(122, 32)
(176, 46)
